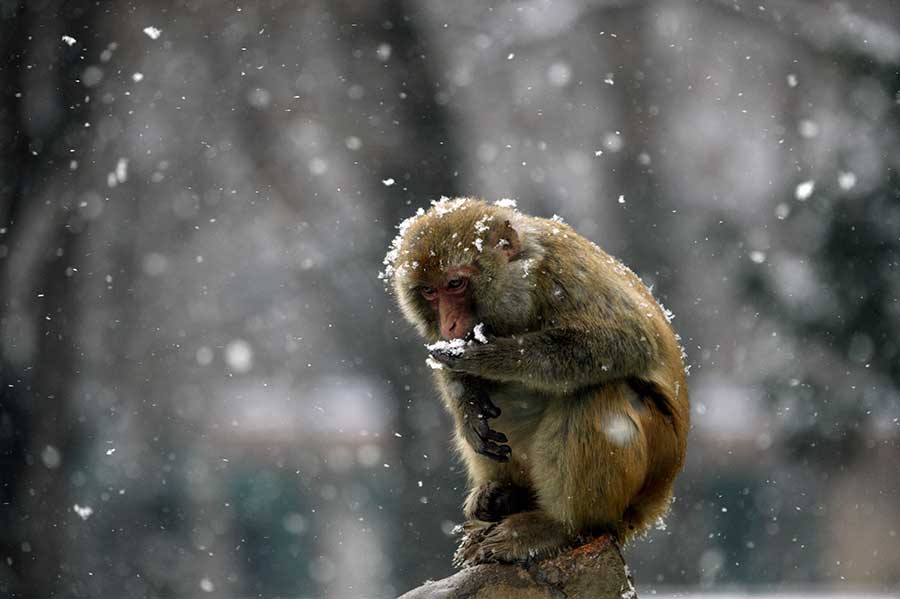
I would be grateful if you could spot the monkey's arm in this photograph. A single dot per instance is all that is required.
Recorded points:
(562, 359)
(468, 401)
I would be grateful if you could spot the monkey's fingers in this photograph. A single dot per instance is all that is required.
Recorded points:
(498, 453)
(496, 436)
(488, 408)
(444, 357)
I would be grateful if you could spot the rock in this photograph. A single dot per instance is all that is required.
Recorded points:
(595, 570)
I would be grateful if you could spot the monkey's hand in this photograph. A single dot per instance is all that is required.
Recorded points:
(466, 358)
(476, 408)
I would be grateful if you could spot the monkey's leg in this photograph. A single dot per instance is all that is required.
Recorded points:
(493, 500)
(497, 486)
(591, 459)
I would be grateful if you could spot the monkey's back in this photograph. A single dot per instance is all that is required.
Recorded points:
(599, 289)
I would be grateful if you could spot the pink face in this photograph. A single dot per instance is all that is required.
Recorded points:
(453, 301)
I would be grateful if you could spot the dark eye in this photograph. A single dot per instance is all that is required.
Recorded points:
(458, 284)
(428, 293)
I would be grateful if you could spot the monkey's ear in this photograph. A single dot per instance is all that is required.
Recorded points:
(506, 240)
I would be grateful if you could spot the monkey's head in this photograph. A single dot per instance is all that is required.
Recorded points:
(463, 262)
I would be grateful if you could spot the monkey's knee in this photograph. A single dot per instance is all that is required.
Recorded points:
(493, 501)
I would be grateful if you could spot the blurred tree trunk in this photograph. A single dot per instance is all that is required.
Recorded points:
(42, 123)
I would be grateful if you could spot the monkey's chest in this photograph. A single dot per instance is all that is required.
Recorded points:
(521, 411)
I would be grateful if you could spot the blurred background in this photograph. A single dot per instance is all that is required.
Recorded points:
(205, 388)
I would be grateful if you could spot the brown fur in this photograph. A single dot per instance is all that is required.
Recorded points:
(584, 366)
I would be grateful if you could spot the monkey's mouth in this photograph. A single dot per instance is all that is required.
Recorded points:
(455, 324)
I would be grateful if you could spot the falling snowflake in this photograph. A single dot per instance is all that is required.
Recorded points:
(804, 190)
(83, 511)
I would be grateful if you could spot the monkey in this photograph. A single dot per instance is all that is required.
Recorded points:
(563, 376)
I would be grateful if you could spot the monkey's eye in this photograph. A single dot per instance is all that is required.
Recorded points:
(458, 284)
(428, 293)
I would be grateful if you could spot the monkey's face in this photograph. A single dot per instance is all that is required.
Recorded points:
(451, 298)
(449, 267)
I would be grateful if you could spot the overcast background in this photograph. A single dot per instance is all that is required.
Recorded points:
(195, 199)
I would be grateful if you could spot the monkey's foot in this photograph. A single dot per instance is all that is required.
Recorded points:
(473, 533)
(520, 537)
(493, 501)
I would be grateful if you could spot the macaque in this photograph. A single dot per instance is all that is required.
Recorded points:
(564, 378)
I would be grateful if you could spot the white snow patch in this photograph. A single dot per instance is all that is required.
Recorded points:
(808, 129)
(390, 259)
(804, 190)
(51, 457)
(506, 203)
(83, 511)
(621, 199)
(757, 257)
(478, 333)
(206, 585)
(792, 80)
(618, 429)
(122, 170)
(68, 40)
(445, 205)
(387, 182)
(433, 364)
(613, 141)
(456, 347)
(559, 74)
(239, 355)
(481, 224)
(152, 32)
(847, 180)
(137, 77)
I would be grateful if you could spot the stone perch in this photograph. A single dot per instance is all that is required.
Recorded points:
(595, 571)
